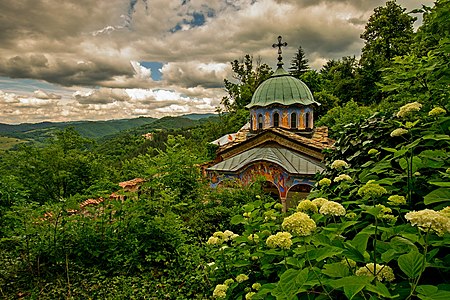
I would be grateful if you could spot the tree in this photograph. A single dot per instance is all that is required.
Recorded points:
(61, 168)
(247, 78)
(388, 33)
(340, 78)
(299, 63)
(424, 74)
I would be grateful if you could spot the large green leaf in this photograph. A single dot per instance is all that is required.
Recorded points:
(352, 284)
(237, 219)
(411, 263)
(291, 283)
(338, 269)
(352, 253)
(445, 184)
(380, 289)
(439, 195)
(431, 292)
(416, 164)
(360, 242)
(324, 252)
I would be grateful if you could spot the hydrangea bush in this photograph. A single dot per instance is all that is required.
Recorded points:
(377, 225)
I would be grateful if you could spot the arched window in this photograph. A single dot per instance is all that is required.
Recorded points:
(276, 119)
(260, 121)
(293, 120)
(307, 121)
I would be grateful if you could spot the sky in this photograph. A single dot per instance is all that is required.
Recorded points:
(70, 60)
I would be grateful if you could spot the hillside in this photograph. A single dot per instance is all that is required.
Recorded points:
(38, 132)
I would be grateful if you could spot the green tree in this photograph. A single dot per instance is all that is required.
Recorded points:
(63, 167)
(246, 77)
(388, 33)
(424, 74)
(299, 63)
(340, 78)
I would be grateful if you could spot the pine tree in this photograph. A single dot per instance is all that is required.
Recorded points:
(299, 63)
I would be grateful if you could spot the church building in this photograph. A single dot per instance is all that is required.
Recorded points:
(280, 142)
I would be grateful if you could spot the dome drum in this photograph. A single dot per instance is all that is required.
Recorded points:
(292, 118)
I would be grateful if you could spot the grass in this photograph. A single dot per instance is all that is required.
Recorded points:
(9, 142)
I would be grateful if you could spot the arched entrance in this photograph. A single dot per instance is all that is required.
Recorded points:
(271, 189)
(297, 193)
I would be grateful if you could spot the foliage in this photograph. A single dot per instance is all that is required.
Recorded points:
(62, 168)
(339, 117)
(388, 33)
(340, 78)
(299, 63)
(362, 240)
(247, 77)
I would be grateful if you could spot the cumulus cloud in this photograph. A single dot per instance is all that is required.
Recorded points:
(101, 96)
(192, 74)
(95, 47)
(40, 94)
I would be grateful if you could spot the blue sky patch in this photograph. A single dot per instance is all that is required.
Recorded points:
(155, 67)
(19, 85)
(198, 19)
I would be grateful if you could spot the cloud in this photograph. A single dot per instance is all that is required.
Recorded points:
(101, 96)
(40, 94)
(192, 74)
(94, 47)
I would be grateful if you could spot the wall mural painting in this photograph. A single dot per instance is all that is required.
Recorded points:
(266, 120)
(284, 119)
(270, 171)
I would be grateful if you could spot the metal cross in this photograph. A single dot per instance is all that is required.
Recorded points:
(279, 45)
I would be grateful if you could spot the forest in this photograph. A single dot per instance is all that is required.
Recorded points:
(124, 217)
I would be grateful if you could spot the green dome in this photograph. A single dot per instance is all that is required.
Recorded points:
(282, 88)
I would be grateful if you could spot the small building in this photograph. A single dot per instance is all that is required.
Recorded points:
(280, 142)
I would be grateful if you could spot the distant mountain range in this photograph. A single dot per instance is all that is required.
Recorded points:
(99, 129)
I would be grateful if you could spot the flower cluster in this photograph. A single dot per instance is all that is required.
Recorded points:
(398, 132)
(396, 200)
(437, 111)
(281, 240)
(373, 152)
(407, 108)
(332, 208)
(249, 295)
(270, 215)
(386, 213)
(445, 211)
(337, 164)
(371, 190)
(219, 237)
(351, 215)
(241, 278)
(299, 223)
(253, 237)
(256, 286)
(429, 219)
(278, 206)
(220, 292)
(324, 182)
(343, 177)
(307, 206)
(319, 202)
(348, 262)
(382, 272)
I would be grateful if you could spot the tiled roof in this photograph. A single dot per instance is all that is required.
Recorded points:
(319, 139)
(289, 160)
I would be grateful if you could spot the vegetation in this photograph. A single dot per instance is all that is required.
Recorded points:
(376, 226)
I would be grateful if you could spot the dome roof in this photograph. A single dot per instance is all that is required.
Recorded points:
(282, 88)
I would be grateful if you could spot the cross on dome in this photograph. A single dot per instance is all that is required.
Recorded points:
(279, 45)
